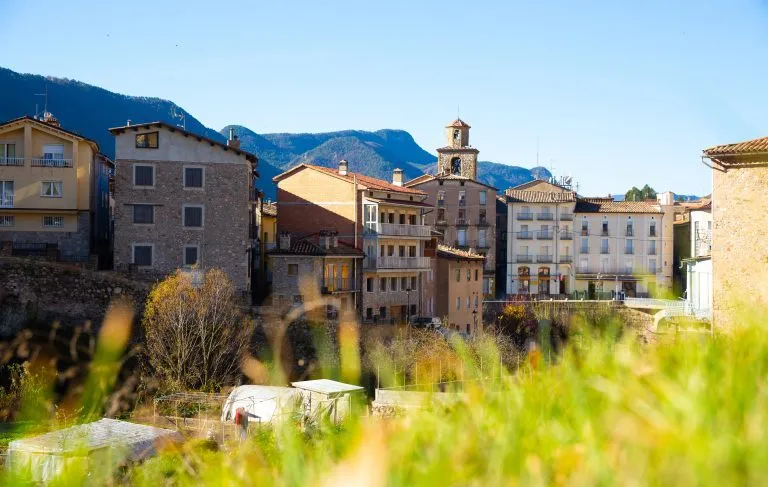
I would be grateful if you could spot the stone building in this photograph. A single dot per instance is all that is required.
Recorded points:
(739, 246)
(465, 207)
(560, 244)
(385, 220)
(458, 289)
(54, 192)
(314, 266)
(182, 201)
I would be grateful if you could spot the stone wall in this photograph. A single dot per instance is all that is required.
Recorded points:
(72, 245)
(33, 290)
(739, 243)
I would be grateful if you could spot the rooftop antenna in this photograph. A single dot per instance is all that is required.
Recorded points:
(45, 105)
(181, 116)
(537, 151)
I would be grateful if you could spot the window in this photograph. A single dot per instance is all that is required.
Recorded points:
(630, 227)
(462, 237)
(458, 275)
(7, 151)
(147, 141)
(605, 226)
(604, 246)
(193, 216)
(144, 175)
(6, 194)
(413, 283)
(584, 227)
(524, 276)
(383, 311)
(462, 219)
(369, 285)
(441, 198)
(404, 283)
(53, 221)
(413, 310)
(652, 247)
(469, 274)
(629, 247)
(143, 214)
(462, 198)
(469, 302)
(383, 218)
(483, 216)
(477, 274)
(369, 313)
(383, 284)
(53, 151)
(456, 165)
(401, 250)
(652, 265)
(483, 197)
(653, 228)
(486, 287)
(401, 218)
(441, 215)
(393, 284)
(458, 303)
(7, 220)
(391, 218)
(191, 255)
(293, 269)
(51, 189)
(481, 240)
(193, 177)
(584, 245)
(390, 250)
(142, 255)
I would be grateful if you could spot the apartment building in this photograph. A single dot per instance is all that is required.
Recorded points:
(458, 289)
(501, 245)
(313, 266)
(739, 247)
(698, 267)
(383, 219)
(182, 201)
(465, 207)
(54, 192)
(540, 239)
(560, 244)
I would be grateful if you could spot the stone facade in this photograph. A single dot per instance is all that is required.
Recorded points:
(73, 246)
(739, 244)
(223, 241)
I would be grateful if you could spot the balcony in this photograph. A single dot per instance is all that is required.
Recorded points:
(544, 235)
(610, 272)
(524, 258)
(11, 161)
(584, 250)
(629, 251)
(525, 235)
(43, 162)
(566, 259)
(392, 262)
(483, 222)
(398, 230)
(441, 223)
(604, 232)
(462, 203)
(339, 284)
(545, 216)
(605, 250)
(525, 216)
(462, 222)
(566, 235)
(584, 232)
(566, 217)
(6, 201)
(630, 232)
(652, 233)
(544, 259)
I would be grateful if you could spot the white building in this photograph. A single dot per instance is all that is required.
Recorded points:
(559, 244)
(699, 266)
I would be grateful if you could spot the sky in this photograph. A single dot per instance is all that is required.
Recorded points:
(615, 93)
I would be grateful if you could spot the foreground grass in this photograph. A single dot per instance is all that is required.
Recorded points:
(692, 411)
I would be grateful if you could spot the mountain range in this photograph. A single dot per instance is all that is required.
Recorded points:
(90, 111)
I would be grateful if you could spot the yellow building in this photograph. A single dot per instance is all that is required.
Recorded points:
(54, 191)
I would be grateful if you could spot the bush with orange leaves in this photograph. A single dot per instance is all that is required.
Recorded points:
(196, 336)
(518, 322)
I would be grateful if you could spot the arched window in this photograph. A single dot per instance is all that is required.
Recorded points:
(456, 165)
(524, 276)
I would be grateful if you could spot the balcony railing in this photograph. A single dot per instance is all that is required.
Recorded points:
(440, 203)
(566, 259)
(6, 201)
(545, 216)
(605, 250)
(544, 235)
(604, 232)
(525, 235)
(651, 251)
(11, 161)
(608, 272)
(483, 222)
(339, 284)
(399, 230)
(630, 232)
(392, 262)
(544, 259)
(524, 258)
(462, 202)
(525, 216)
(462, 244)
(584, 250)
(42, 162)
(629, 251)
(584, 232)
(652, 232)
(566, 217)
(482, 244)
(566, 235)
(441, 223)
(462, 222)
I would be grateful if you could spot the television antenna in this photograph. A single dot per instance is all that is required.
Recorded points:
(181, 116)
(45, 103)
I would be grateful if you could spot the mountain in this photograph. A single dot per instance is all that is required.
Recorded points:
(90, 111)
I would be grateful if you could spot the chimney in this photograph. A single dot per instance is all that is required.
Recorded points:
(397, 177)
(128, 123)
(233, 140)
(343, 167)
(50, 119)
(284, 241)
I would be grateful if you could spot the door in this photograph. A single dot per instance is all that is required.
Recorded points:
(330, 277)
(346, 283)
(591, 290)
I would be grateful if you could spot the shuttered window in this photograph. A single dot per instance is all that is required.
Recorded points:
(193, 216)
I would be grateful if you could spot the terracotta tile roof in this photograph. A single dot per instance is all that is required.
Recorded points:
(367, 181)
(400, 202)
(739, 148)
(269, 209)
(445, 177)
(450, 252)
(459, 123)
(605, 205)
(306, 246)
(522, 196)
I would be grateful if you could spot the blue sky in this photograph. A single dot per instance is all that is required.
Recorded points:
(617, 93)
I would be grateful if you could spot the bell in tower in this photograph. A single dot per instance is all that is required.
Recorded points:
(458, 157)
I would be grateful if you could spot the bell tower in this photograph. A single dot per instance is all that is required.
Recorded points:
(457, 157)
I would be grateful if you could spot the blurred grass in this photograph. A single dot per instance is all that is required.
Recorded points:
(606, 410)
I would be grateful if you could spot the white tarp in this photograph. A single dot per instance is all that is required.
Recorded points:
(263, 404)
(104, 444)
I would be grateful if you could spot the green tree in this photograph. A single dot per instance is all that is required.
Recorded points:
(635, 194)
